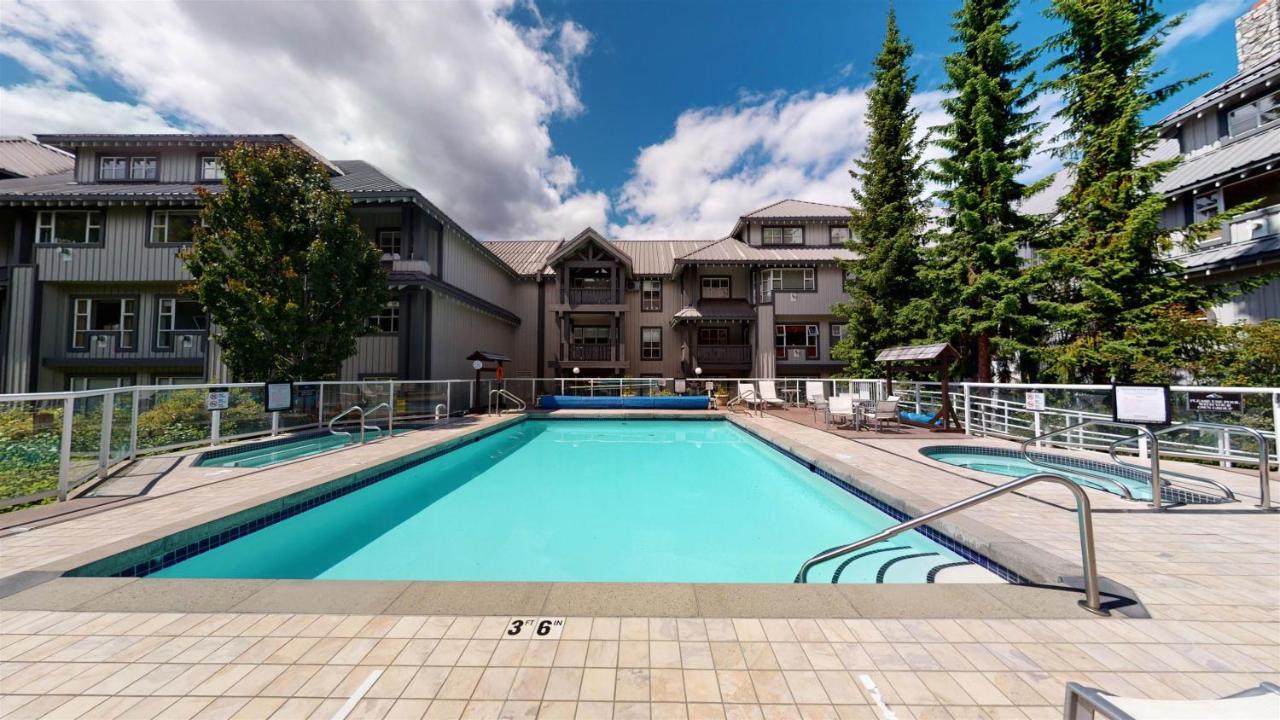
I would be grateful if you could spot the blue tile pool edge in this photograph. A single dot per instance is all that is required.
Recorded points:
(173, 548)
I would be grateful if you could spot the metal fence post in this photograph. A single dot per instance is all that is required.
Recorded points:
(104, 439)
(320, 408)
(1275, 422)
(64, 449)
(215, 427)
(391, 405)
(275, 423)
(448, 399)
(133, 429)
(968, 409)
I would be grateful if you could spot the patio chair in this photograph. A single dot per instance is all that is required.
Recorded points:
(747, 395)
(1084, 703)
(886, 412)
(840, 406)
(769, 394)
(815, 396)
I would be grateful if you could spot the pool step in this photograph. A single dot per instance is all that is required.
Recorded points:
(904, 564)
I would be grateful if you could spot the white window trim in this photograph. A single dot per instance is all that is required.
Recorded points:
(647, 345)
(398, 252)
(82, 309)
(160, 221)
(647, 294)
(155, 167)
(123, 167)
(390, 311)
(784, 229)
(219, 173)
(48, 220)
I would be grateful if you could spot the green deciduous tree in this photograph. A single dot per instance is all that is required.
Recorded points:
(888, 216)
(1104, 279)
(979, 289)
(281, 267)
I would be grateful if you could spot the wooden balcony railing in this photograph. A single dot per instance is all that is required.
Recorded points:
(590, 352)
(592, 296)
(724, 354)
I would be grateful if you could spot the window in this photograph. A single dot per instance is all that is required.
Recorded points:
(1207, 205)
(651, 295)
(796, 342)
(785, 280)
(837, 334)
(80, 383)
(142, 168)
(713, 335)
(1252, 115)
(177, 380)
(715, 287)
(840, 234)
(177, 321)
(387, 320)
(389, 242)
(173, 227)
(590, 335)
(69, 226)
(650, 343)
(113, 168)
(211, 169)
(104, 318)
(783, 236)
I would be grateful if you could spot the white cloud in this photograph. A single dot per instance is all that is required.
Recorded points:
(720, 163)
(453, 98)
(1202, 20)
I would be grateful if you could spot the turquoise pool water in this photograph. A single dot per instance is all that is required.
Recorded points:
(1017, 467)
(262, 456)
(589, 500)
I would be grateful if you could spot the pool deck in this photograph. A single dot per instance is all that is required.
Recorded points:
(139, 648)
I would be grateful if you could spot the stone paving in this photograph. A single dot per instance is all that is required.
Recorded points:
(1210, 580)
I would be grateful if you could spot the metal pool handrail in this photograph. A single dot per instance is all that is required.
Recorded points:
(1264, 459)
(1088, 559)
(344, 413)
(1157, 500)
(495, 400)
(373, 410)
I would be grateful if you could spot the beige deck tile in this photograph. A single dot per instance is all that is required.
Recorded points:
(563, 683)
(668, 711)
(666, 685)
(482, 710)
(664, 653)
(633, 653)
(557, 710)
(632, 686)
(598, 685)
(602, 653)
(495, 683)
(633, 628)
(605, 628)
(426, 682)
(541, 653)
(392, 682)
(696, 655)
(460, 683)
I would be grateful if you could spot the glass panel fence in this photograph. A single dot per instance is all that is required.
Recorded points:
(30, 436)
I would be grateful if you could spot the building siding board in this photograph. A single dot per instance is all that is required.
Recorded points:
(375, 355)
(457, 331)
(465, 266)
(124, 255)
(19, 306)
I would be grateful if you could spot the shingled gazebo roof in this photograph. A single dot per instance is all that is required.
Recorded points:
(909, 353)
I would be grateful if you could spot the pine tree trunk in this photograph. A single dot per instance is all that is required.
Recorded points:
(984, 358)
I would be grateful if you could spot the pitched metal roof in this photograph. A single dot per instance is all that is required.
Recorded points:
(1231, 255)
(917, 352)
(1241, 82)
(657, 257)
(67, 141)
(22, 157)
(1225, 158)
(798, 210)
(587, 236)
(524, 257)
(731, 251)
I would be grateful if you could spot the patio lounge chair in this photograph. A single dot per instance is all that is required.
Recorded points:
(769, 393)
(815, 395)
(840, 406)
(1084, 703)
(886, 412)
(746, 395)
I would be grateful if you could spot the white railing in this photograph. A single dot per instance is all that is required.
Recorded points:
(51, 443)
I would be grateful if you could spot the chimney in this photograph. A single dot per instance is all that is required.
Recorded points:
(1258, 33)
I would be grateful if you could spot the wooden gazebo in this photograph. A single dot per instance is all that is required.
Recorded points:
(936, 357)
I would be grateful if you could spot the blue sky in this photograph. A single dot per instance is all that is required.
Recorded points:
(523, 119)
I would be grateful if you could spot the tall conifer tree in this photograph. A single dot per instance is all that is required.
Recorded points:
(979, 291)
(887, 217)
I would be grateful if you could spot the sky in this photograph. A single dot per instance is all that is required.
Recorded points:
(523, 119)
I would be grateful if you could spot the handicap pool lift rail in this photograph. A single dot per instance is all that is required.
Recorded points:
(1088, 558)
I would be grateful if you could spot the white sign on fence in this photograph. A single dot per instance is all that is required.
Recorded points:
(1035, 400)
(1147, 404)
(219, 399)
(279, 396)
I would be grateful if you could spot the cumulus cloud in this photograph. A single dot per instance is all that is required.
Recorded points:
(1202, 20)
(453, 98)
(722, 162)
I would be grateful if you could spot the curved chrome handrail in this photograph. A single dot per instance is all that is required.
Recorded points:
(495, 400)
(1157, 483)
(1088, 560)
(344, 413)
(1264, 457)
(371, 411)
(438, 408)
(1120, 487)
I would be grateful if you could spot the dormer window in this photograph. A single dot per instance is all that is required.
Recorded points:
(113, 168)
(142, 168)
(1253, 115)
(783, 235)
(211, 169)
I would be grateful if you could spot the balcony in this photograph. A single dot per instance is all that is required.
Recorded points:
(591, 353)
(796, 353)
(1255, 225)
(112, 348)
(592, 296)
(723, 355)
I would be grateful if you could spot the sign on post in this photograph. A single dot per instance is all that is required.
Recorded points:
(279, 396)
(219, 398)
(1035, 400)
(1215, 402)
(1141, 404)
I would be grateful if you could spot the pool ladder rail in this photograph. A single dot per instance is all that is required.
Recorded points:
(497, 395)
(1088, 559)
(1263, 460)
(361, 415)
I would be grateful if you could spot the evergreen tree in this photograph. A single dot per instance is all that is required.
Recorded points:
(973, 268)
(887, 217)
(1104, 278)
(280, 265)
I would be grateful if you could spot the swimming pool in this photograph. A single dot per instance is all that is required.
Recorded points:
(271, 452)
(587, 501)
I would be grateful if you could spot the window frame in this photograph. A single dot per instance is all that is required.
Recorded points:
(574, 340)
(647, 303)
(646, 345)
(166, 212)
(832, 338)
(121, 381)
(764, 231)
(702, 287)
(1256, 106)
(90, 333)
(200, 171)
(128, 168)
(831, 229)
(389, 312)
(809, 278)
(377, 241)
(52, 226)
(811, 333)
(155, 168)
(123, 161)
(173, 314)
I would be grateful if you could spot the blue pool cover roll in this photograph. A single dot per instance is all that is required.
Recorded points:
(659, 402)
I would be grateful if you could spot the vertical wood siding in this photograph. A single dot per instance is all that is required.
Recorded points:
(457, 331)
(19, 305)
(1199, 132)
(375, 355)
(465, 266)
(123, 257)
